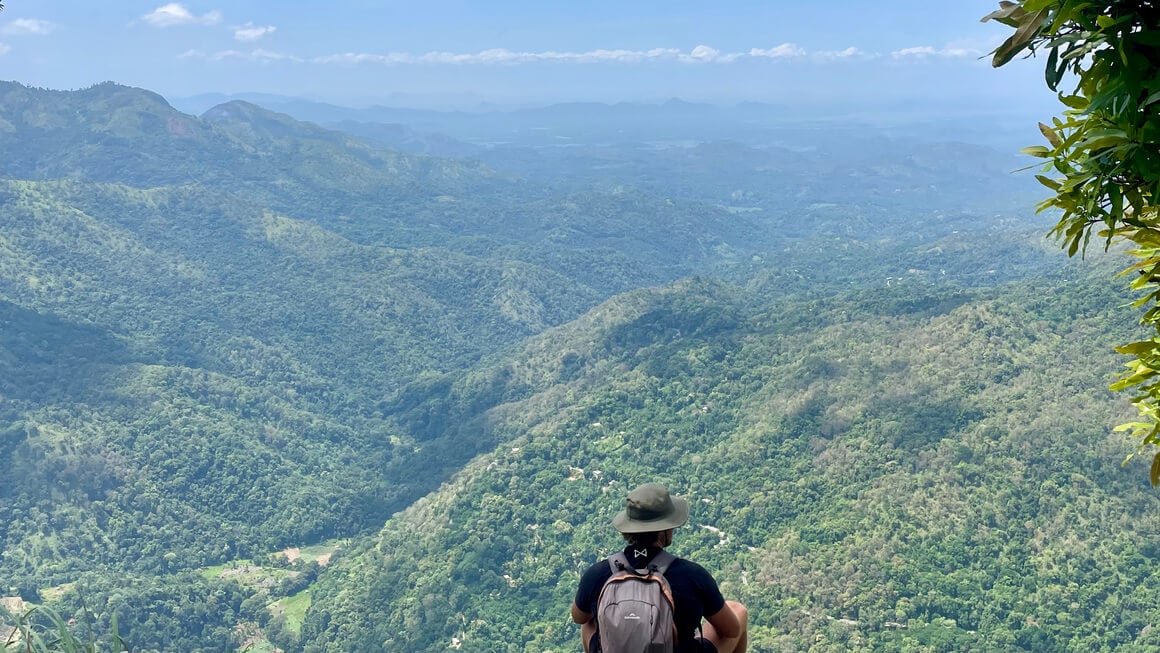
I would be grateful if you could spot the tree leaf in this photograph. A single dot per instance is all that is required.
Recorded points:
(1049, 182)
(1008, 14)
(1116, 195)
(1029, 26)
(1049, 133)
(1100, 142)
(1077, 102)
(1136, 348)
(1037, 151)
(1053, 72)
(1007, 51)
(1154, 473)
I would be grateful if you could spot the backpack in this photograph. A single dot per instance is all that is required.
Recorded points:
(634, 613)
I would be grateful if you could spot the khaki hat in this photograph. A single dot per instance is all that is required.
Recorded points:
(649, 508)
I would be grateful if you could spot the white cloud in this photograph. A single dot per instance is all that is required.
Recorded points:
(251, 32)
(270, 55)
(924, 51)
(175, 13)
(706, 54)
(28, 26)
(5, 49)
(700, 54)
(918, 51)
(783, 51)
(258, 55)
(498, 56)
(843, 55)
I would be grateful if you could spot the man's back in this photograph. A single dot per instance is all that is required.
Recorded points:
(695, 592)
(647, 523)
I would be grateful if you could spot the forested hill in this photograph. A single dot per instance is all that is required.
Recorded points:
(369, 195)
(901, 469)
(208, 319)
(229, 335)
(115, 133)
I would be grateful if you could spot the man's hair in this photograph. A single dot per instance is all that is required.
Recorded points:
(642, 538)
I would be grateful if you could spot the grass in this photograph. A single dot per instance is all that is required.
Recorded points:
(54, 593)
(26, 634)
(217, 571)
(325, 549)
(213, 572)
(247, 576)
(261, 646)
(52, 635)
(294, 609)
(320, 552)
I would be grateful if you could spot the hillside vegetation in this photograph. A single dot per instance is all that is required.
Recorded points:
(190, 372)
(915, 469)
(233, 335)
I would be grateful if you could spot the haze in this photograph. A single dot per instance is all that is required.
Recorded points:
(846, 55)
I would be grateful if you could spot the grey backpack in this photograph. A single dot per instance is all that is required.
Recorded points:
(634, 613)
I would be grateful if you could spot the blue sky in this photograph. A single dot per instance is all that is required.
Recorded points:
(513, 52)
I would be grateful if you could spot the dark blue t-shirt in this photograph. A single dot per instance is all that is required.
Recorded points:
(695, 592)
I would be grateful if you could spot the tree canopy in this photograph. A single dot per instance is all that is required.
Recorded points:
(1103, 153)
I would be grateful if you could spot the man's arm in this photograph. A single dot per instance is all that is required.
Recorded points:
(579, 616)
(725, 623)
(586, 595)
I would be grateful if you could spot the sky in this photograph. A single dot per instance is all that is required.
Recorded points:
(461, 53)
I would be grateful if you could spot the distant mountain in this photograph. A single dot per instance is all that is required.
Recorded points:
(126, 135)
(488, 125)
(230, 333)
(675, 120)
(749, 157)
(861, 185)
(403, 138)
(180, 287)
(248, 121)
(199, 104)
(322, 112)
(362, 191)
(245, 281)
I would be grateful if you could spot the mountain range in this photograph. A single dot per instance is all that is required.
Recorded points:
(238, 333)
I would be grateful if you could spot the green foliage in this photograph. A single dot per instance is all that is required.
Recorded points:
(868, 473)
(181, 612)
(227, 335)
(232, 334)
(43, 630)
(1104, 153)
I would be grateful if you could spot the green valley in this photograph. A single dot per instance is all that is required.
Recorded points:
(932, 474)
(266, 385)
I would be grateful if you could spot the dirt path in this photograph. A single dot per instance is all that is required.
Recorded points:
(294, 553)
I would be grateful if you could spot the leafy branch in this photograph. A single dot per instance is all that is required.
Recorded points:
(1103, 154)
(55, 637)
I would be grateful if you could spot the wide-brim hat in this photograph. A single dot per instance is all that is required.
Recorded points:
(650, 508)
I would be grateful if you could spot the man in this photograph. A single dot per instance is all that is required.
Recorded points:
(647, 523)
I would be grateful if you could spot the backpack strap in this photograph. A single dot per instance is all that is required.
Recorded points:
(661, 562)
(618, 563)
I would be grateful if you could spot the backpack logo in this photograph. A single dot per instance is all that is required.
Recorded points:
(634, 613)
